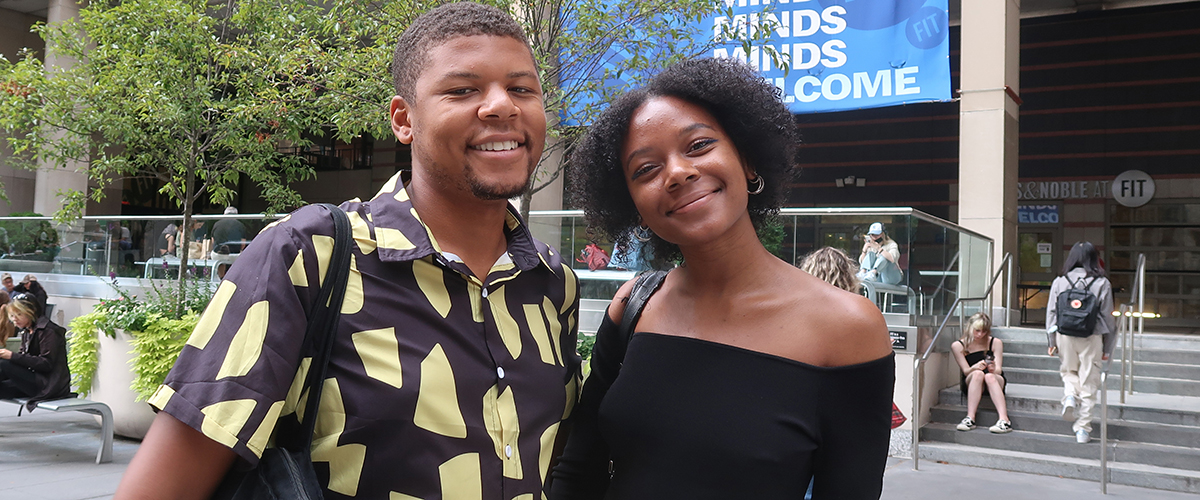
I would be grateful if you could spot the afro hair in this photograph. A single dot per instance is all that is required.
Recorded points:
(747, 107)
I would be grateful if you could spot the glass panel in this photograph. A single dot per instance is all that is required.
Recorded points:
(1120, 237)
(1035, 252)
(1119, 214)
(1190, 285)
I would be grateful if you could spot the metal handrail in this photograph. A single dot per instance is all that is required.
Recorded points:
(1122, 327)
(1005, 265)
(1126, 337)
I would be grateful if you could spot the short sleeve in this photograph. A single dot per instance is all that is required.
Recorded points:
(242, 366)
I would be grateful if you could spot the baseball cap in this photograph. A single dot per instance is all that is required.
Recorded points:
(876, 228)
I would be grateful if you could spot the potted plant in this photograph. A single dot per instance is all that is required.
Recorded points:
(121, 351)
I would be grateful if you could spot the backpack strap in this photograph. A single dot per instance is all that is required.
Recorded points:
(646, 285)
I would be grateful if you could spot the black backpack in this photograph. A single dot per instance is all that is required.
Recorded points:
(1078, 309)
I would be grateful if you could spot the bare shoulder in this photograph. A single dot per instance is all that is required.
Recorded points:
(997, 343)
(853, 327)
(617, 307)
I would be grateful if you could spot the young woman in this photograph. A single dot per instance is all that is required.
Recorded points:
(747, 377)
(880, 257)
(981, 359)
(1081, 352)
(39, 370)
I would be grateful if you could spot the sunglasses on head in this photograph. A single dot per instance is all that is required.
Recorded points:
(28, 297)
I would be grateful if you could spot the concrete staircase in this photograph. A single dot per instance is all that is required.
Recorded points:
(1154, 438)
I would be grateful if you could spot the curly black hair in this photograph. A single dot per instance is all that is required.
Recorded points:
(747, 107)
(439, 25)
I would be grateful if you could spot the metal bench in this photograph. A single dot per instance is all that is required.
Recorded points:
(86, 406)
(881, 295)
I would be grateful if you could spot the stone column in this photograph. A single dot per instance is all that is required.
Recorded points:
(988, 126)
(50, 178)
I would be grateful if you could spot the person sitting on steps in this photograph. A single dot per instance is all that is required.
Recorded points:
(981, 359)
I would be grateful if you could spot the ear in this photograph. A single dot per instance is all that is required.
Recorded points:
(401, 113)
(750, 173)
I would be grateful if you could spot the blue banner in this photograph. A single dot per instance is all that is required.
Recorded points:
(847, 54)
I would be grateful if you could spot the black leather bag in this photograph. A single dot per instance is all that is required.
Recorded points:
(285, 472)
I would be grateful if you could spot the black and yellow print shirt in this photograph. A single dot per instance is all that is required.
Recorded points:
(441, 384)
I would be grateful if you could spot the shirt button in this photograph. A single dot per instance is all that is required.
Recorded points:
(500, 371)
(508, 451)
(484, 293)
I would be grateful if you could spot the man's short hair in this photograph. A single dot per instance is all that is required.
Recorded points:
(440, 25)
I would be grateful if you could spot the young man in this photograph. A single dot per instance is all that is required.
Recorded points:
(455, 360)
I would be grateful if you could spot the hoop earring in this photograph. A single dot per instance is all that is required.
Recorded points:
(759, 184)
(642, 233)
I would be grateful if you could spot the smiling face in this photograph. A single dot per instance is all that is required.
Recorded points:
(684, 173)
(477, 125)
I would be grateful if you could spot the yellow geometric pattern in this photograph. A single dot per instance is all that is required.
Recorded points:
(475, 291)
(247, 343)
(223, 421)
(510, 332)
(296, 272)
(555, 328)
(537, 328)
(500, 420)
(293, 396)
(323, 246)
(380, 354)
(258, 441)
(431, 280)
(353, 300)
(460, 478)
(345, 461)
(212, 315)
(387, 237)
(362, 233)
(400, 496)
(437, 400)
(569, 288)
(547, 449)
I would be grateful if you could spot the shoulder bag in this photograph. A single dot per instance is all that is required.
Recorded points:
(285, 472)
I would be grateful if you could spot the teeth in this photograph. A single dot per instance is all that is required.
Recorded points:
(497, 146)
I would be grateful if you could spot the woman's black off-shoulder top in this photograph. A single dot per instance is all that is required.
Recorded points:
(693, 419)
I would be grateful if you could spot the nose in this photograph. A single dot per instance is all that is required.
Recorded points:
(497, 103)
(680, 171)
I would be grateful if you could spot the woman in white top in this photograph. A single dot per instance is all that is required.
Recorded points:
(880, 257)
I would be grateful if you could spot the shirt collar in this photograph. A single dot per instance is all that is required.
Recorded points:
(401, 235)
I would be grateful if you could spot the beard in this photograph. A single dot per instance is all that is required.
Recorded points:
(492, 191)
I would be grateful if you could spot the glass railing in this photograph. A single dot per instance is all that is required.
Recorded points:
(123, 246)
(938, 260)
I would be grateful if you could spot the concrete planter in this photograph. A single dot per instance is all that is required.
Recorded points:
(110, 386)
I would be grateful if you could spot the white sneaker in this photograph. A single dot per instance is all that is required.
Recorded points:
(1068, 411)
(1082, 436)
(1001, 427)
(966, 424)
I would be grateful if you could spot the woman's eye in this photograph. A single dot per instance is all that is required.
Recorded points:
(642, 170)
(701, 144)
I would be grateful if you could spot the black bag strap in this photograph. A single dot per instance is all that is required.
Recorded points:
(643, 288)
(322, 324)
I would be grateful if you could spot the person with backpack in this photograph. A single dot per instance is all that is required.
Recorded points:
(1080, 328)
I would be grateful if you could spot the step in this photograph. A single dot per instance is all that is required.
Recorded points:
(1141, 368)
(1038, 348)
(1158, 455)
(1145, 476)
(1154, 385)
(1139, 407)
(1122, 430)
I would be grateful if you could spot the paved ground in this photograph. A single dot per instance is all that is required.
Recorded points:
(52, 456)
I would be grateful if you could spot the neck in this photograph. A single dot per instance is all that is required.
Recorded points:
(463, 224)
(732, 264)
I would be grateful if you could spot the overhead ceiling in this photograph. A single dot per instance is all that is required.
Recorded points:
(32, 7)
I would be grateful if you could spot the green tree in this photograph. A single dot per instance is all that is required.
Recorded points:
(189, 93)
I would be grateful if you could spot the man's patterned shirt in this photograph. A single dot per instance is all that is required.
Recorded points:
(441, 385)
